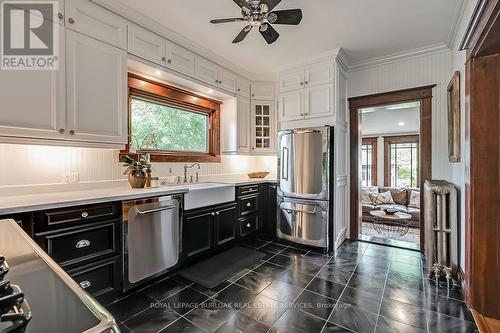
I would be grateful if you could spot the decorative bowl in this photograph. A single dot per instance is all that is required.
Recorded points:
(258, 174)
(390, 211)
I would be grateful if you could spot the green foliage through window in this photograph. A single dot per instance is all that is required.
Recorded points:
(177, 130)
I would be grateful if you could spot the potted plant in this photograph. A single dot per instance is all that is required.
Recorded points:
(137, 164)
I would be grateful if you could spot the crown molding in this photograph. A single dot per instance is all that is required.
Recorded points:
(328, 55)
(401, 56)
(138, 18)
(456, 22)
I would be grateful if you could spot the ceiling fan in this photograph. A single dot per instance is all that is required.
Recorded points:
(259, 14)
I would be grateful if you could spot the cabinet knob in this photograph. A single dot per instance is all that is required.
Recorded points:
(239, 89)
(248, 225)
(60, 16)
(213, 214)
(217, 213)
(85, 215)
(72, 132)
(307, 82)
(169, 61)
(71, 20)
(253, 95)
(83, 243)
(249, 204)
(85, 284)
(61, 131)
(301, 83)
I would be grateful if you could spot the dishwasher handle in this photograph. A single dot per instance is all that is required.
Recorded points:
(155, 210)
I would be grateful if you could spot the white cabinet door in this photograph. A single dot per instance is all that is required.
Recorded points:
(179, 59)
(263, 127)
(292, 80)
(320, 73)
(319, 101)
(206, 70)
(292, 105)
(342, 111)
(32, 103)
(90, 19)
(146, 44)
(243, 87)
(227, 80)
(96, 90)
(262, 90)
(243, 128)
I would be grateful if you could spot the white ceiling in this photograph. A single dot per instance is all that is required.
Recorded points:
(386, 120)
(365, 29)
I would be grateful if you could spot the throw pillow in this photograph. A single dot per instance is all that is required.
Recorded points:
(384, 198)
(414, 199)
(365, 194)
(399, 195)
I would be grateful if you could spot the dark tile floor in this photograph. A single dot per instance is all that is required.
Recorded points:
(363, 287)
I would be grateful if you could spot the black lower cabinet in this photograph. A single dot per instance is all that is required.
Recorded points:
(225, 224)
(270, 209)
(248, 225)
(198, 227)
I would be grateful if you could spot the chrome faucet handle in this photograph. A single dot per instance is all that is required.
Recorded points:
(197, 177)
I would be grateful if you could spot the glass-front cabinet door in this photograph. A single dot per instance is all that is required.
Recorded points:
(263, 127)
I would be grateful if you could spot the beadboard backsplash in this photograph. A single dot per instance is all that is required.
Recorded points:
(43, 165)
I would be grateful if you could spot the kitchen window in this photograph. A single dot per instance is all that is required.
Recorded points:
(186, 125)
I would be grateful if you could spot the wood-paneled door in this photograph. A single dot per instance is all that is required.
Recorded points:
(420, 94)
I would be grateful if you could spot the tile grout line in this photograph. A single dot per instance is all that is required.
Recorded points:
(381, 300)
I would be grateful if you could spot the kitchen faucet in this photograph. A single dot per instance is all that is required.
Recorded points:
(189, 167)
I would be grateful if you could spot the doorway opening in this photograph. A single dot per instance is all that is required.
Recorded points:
(389, 182)
(390, 149)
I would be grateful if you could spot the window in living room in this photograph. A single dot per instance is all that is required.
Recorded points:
(402, 161)
(369, 162)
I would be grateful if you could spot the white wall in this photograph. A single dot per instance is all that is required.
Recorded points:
(40, 165)
(436, 68)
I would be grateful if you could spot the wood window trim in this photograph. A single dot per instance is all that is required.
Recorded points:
(373, 141)
(388, 140)
(421, 94)
(151, 90)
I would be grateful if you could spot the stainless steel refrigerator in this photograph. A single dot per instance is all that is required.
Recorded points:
(305, 191)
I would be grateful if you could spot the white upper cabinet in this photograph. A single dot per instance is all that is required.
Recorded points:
(227, 80)
(291, 105)
(243, 125)
(180, 59)
(206, 71)
(96, 82)
(319, 101)
(33, 101)
(292, 81)
(262, 90)
(90, 19)
(317, 74)
(242, 87)
(146, 44)
(308, 93)
(263, 136)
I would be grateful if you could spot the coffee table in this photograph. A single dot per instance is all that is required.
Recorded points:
(391, 225)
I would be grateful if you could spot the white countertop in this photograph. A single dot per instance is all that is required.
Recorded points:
(58, 197)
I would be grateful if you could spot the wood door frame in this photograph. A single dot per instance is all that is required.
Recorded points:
(419, 94)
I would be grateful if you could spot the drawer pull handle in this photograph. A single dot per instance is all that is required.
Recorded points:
(249, 204)
(83, 243)
(85, 284)
(248, 225)
(85, 215)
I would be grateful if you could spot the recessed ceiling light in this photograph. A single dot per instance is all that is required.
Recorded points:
(158, 72)
(401, 123)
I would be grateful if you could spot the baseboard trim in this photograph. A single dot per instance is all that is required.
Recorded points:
(486, 324)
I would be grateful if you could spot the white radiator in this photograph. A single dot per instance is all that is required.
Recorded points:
(441, 230)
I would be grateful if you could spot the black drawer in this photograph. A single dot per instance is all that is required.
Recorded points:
(248, 190)
(248, 205)
(248, 225)
(67, 217)
(101, 279)
(76, 246)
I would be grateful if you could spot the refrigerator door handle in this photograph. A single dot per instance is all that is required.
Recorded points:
(284, 163)
(295, 211)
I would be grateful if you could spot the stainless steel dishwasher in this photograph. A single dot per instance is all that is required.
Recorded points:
(151, 238)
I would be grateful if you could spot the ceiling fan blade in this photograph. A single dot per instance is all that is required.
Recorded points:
(270, 3)
(269, 34)
(243, 33)
(289, 16)
(241, 3)
(228, 20)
